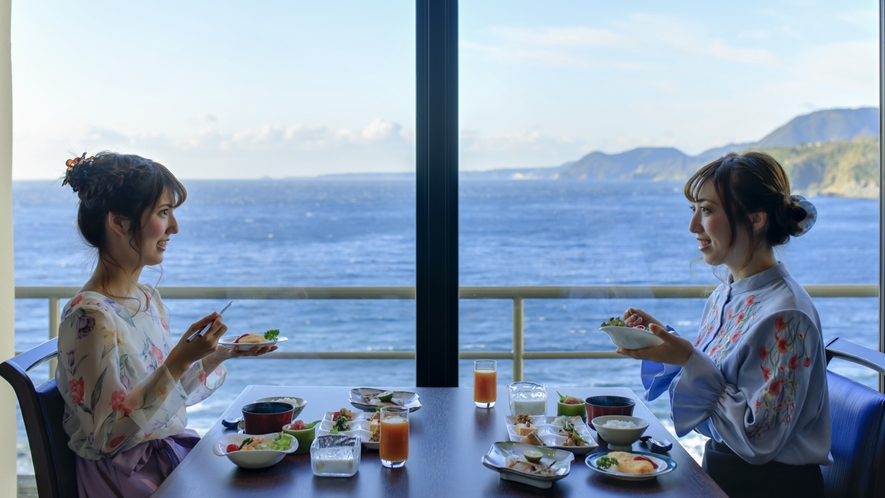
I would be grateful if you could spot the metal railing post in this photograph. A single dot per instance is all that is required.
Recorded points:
(53, 330)
(518, 338)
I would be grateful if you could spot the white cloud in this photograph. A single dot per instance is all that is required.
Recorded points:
(562, 37)
(276, 151)
(850, 66)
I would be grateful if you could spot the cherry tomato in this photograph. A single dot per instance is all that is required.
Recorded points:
(232, 447)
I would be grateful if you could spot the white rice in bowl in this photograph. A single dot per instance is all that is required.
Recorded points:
(619, 424)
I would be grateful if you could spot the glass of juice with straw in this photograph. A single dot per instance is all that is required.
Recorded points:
(485, 383)
(393, 445)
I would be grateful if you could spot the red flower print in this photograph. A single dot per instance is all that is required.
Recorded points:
(147, 297)
(714, 350)
(750, 299)
(740, 316)
(763, 353)
(775, 387)
(76, 300)
(758, 405)
(164, 324)
(807, 361)
(155, 351)
(219, 371)
(117, 401)
(782, 345)
(736, 336)
(116, 441)
(779, 323)
(794, 361)
(758, 435)
(730, 312)
(801, 336)
(766, 374)
(697, 341)
(202, 377)
(77, 391)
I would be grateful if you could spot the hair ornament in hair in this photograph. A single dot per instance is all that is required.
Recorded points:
(810, 216)
(72, 164)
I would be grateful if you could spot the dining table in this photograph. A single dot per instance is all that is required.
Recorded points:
(448, 438)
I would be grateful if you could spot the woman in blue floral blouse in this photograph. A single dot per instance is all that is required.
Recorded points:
(754, 380)
(124, 380)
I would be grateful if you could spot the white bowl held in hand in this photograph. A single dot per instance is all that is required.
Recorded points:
(616, 434)
(252, 459)
(631, 338)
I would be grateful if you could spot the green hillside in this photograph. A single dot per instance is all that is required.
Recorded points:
(848, 168)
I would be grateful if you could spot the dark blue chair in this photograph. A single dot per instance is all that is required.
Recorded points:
(858, 419)
(42, 411)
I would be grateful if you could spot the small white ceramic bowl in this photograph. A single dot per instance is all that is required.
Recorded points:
(251, 459)
(631, 338)
(298, 403)
(620, 438)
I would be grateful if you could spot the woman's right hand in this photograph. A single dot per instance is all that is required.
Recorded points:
(635, 316)
(184, 354)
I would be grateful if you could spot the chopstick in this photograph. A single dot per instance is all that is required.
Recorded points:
(203, 331)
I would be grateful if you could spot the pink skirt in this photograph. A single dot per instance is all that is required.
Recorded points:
(136, 472)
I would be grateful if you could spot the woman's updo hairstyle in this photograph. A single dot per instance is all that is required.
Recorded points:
(748, 183)
(123, 184)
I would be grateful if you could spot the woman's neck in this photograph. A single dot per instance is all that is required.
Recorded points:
(763, 259)
(113, 280)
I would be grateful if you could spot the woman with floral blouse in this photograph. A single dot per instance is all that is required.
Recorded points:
(754, 380)
(124, 380)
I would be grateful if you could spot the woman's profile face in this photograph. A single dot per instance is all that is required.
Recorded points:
(159, 224)
(709, 223)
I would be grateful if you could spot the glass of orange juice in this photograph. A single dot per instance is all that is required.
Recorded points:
(393, 446)
(485, 383)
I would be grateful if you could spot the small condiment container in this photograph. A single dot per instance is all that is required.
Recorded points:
(335, 456)
(527, 397)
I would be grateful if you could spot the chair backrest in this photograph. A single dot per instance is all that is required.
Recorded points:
(858, 420)
(42, 411)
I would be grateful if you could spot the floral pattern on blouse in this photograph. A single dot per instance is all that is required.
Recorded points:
(111, 375)
(780, 362)
(757, 377)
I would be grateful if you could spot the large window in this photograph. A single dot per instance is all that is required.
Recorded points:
(580, 124)
(291, 125)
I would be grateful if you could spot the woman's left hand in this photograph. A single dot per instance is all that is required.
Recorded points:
(222, 353)
(674, 351)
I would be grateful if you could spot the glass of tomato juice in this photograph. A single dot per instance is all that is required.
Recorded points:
(393, 445)
(485, 383)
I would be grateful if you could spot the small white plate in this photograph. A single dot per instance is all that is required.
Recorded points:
(496, 459)
(548, 432)
(229, 343)
(662, 463)
(362, 398)
(631, 338)
(359, 427)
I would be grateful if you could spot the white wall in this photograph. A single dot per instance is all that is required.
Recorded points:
(8, 479)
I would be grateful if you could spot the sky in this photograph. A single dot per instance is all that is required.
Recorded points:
(237, 89)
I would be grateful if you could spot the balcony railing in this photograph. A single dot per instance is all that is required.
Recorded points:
(517, 295)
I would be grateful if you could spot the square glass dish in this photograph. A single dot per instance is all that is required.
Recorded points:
(335, 456)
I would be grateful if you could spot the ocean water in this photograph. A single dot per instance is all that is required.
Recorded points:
(345, 233)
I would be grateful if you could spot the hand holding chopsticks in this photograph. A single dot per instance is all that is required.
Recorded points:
(203, 331)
